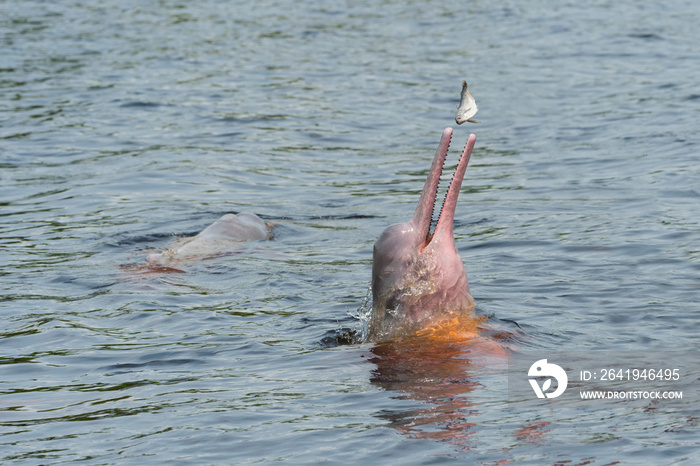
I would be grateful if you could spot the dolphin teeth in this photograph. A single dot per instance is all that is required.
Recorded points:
(435, 221)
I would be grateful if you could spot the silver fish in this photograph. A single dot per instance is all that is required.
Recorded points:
(467, 107)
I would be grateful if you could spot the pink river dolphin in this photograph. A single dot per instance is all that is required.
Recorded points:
(418, 277)
(224, 236)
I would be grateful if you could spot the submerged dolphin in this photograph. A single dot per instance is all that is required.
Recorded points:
(418, 277)
(221, 237)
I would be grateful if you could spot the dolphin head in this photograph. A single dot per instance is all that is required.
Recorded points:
(418, 278)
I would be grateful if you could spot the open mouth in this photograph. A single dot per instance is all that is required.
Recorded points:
(442, 223)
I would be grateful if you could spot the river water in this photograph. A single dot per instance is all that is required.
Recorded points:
(126, 124)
